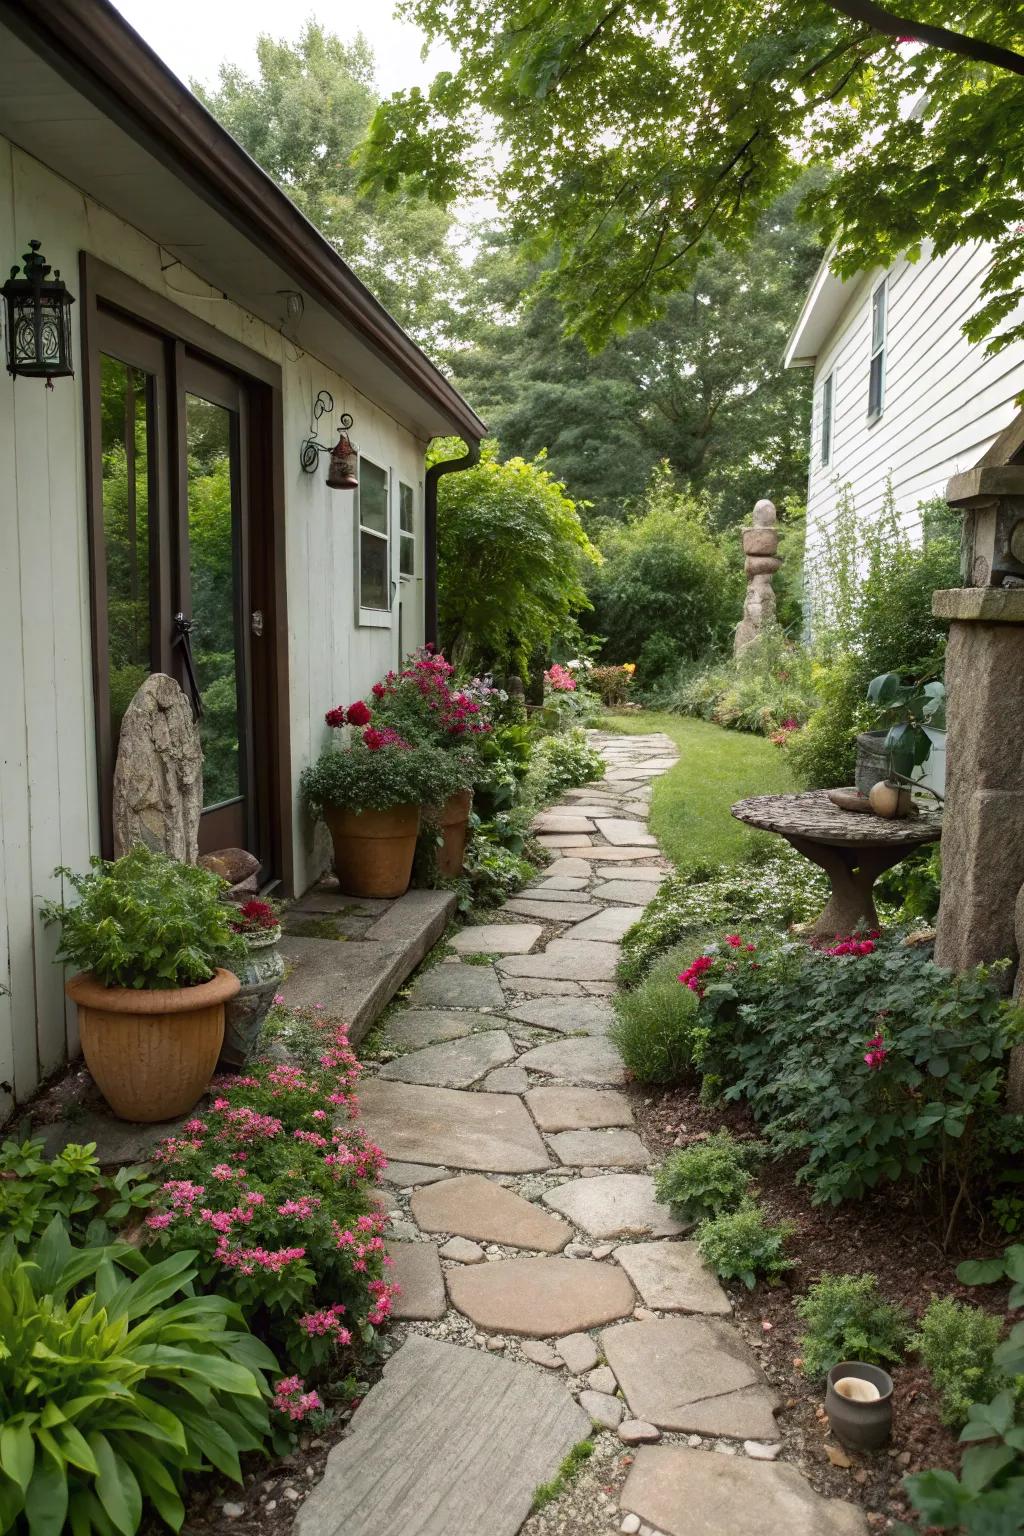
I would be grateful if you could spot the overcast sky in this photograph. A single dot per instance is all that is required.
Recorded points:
(194, 36)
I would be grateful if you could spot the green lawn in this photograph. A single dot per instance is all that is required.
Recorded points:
(690, 814)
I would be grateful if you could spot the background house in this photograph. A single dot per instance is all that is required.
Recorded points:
(900, 395)
(165, 477)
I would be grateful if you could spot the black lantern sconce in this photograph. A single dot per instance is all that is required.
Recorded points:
(341, 472)
(38, 319)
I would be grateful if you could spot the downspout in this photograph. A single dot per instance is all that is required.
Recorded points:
(434, 473)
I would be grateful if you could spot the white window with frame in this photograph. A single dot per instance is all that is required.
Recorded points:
(876, 376)
(406, 531)
(373, 553)
(827, 412)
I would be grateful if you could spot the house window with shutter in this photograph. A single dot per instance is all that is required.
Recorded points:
(827, 395)
(876, 378)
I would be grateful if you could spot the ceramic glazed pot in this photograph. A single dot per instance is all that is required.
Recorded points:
(861, 1412)
(152, 1053)
(452, 819)
(891, 801)
(260, 975)
(872, 760)
(374, 850)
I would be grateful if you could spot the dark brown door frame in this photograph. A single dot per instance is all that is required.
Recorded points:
(104, 287)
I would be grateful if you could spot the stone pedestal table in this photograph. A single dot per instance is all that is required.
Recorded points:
(852, 847)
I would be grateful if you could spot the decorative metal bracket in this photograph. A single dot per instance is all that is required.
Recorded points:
(312, 448)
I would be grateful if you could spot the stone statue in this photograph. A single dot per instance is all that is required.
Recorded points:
(760, 546)
(158, 780)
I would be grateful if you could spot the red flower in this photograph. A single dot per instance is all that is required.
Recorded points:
(876, 1053)
(358, 714)
(378, 690)
(374, 739)
(733, 940)
(335, 717)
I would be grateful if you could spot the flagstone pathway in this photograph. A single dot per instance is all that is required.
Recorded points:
(547, 1297)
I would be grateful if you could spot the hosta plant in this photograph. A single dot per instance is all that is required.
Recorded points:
(145, 920)
(115, 1382)
(34, 1189)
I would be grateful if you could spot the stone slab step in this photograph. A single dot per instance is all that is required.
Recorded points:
(449, 1439)
(485, 1132)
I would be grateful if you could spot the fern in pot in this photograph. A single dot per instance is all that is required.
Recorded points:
(153, 941)
(369, 793)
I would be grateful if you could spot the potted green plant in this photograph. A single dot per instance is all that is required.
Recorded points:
(259, 969)
(911, 711)
(370, 793)
(150, 936)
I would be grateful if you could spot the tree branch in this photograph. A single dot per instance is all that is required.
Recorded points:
(883, 21)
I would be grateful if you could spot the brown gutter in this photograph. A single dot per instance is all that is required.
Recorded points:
(431, 620)
(93, 48)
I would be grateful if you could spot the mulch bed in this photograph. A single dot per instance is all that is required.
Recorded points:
(887, 1235)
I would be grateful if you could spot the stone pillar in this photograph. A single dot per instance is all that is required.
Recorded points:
(760, 546)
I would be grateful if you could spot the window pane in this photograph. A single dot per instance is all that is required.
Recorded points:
(211, 538)
(406, 507)
(125, 417)
(878, 318)
(373, 497)
(875, 385)
(826, 420)
(373, 571)
(407, 555)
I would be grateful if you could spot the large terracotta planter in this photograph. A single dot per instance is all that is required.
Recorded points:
(452, 819)
(152, 1053)
(374, 850)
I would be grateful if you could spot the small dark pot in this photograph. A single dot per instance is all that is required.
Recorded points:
(861, 1426)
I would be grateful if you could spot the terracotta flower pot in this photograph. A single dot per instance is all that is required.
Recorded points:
(152, 1053)
(374, 850)
(452, 819)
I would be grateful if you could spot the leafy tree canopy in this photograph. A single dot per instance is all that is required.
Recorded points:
(511, 556)
(701, 387)
(302, 118)
(622, 134)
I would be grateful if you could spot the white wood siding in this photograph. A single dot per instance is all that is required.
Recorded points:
(945, 399)
(48, 793)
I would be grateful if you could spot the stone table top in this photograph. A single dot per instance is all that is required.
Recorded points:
(812, 816)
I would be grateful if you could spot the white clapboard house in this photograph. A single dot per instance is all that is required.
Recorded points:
(165, 476)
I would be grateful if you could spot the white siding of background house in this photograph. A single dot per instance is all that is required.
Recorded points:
(49, 796)
(945, 400)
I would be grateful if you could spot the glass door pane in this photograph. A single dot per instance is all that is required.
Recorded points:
(213, 566)
(126, 415)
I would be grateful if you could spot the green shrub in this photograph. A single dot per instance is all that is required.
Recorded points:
(34, 1189)
(145, 921)
(365, 777)
(770, 892)
(848, 1320)
(705, 1179)
(957, 1343)
(744, 1245)
(766, 689)
(872, 1063)
(612, 684)
(560, 763)
(653, 1030)
(109, 1395)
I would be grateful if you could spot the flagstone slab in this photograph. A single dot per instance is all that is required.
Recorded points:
(555, 887)
(566, 959)
(693, 1375)
(623, 831)
(600, 1149)
(479, 1208)
(672, 1277)
(541, 1298)
(590, 1060)
(578, 1109)
(450, 1439)
(405, 1175)
(579, 1352)
(639, 893)
(415, 1027)
(654, 873)
(453, 1064)
(544, 986)
(566, 1015)
(551, 911)
(608, 927)
(606, 854)
(563, 839)
(417, 1270)
(614, 1205)
(458, 986)
(506, 1080)
(573, 867)
(698, 1493)
(487, 1132)
(497, 939)
(563, 821)
(605, 1411)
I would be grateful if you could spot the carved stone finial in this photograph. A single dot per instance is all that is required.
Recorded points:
(760, 547)
(158, 780)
